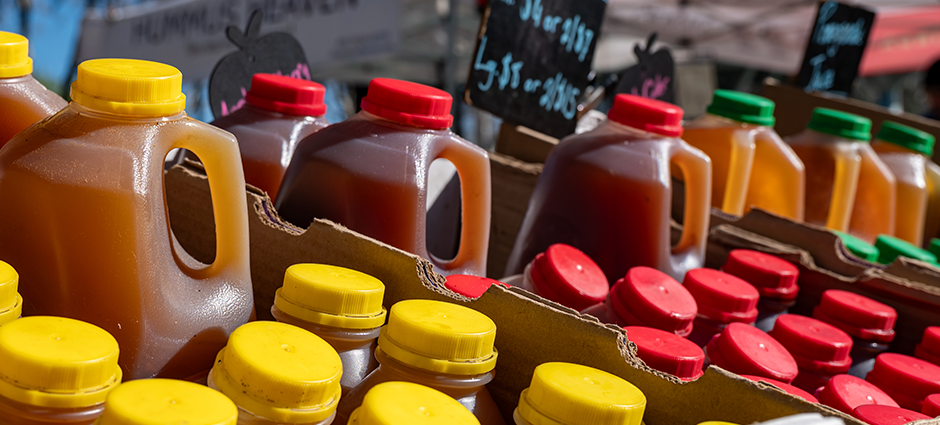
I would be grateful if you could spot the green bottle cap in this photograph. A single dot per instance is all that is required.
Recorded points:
(841, 124)
(743, 107)
(891, 247)
(934, 247)
(906, 137)
(862, 249)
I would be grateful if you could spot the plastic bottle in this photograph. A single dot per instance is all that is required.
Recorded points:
(858, 247)
(564, 275)
(23, 100)
(667, 352)
(278, 374)
(929, 347)
(83, 357)
(852, 190)
(608, 193)
(369, 173)
(279, 112)
(648, 297)
(869, 322)
(444, 346)
(342, 306)
(907, 152)
(109, 258)
(932, 406)
(890, 248)
(787, 388)
(722, 299)
(392, 403)
(744, 349)
(821, 350)
(167, 401)
(751, 165)
(572, 394)
(470, 286)
(846, 392)
(774, 278)
(934, 246)
(11, 303)
(875, 414)
(908, 380)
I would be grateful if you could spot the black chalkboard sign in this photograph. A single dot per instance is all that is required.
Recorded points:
(532, 61)
(835, 48)
(275, 53)
(653, 75)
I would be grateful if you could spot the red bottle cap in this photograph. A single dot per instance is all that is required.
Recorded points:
(667, 352)
(772, 276)
(408, 103)
(569, 277)
(744, 349)
(470, 286)
(929, 347)
(859, 316)
(816, 346)
(654, 116)
(931, 406)
(649, 297)
(721, 296)
(876, 414)
(908, 380)
(287, 95)
(789, 389)
(846, 392)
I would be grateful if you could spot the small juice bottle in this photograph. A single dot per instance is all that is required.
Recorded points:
(11, 303)
(751, 165)
(774, 278)
(278, 374)
(397, 402)
(279, 112)
(167, 401)
(876, 414)
(846, 392)
(470, 286)
(932, 406)
(444, 346)
(858, 247)
(744, 349)
(564, 275)
(929, 347)
(667, 352)
(787, 388)
(55, 370)
(648, 297)
(908, 380)
(23, 100)
(342, 306)
(869, 322)
(722, 299)
(572, 394)
(890, 248)
(821, 350)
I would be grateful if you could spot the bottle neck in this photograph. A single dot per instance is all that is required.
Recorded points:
(25, 413)
(16, 80)
(432, 379)
(110, 116)
(334, 336)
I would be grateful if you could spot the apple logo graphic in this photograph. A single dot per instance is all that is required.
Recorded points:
(652, 76)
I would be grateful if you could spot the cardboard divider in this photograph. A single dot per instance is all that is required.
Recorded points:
(513, 182)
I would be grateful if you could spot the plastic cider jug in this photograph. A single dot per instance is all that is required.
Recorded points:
(608, 192)
(869, 322)
(572, 394)
(908, 380)
(444, 346)
(399, 402)
(929, 346)
(23, 100)
(342, 306)
(744, 349)
(774, 277)
(932, 406)
(278, 374)
(721, 299)
(787, 388)
(890, 248)
(907, 152)
(565, 275)
(167, 401)
(853, 191)
(279, 112)
(876, 414)
(11, 303)
(846, 392)
(648, 297)
(369, 173)
(471, 286)
(90, 230)
(55, 370)
(821, 350)
(751, 165)
(858, 247)
(667, 352)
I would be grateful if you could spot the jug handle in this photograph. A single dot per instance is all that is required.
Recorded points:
(474, 172)
(227, 186)
(844, 185)
(697, 173)
(739, 171)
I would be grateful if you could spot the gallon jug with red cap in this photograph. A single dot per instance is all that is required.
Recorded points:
(908, 380)
(370, 172)
(876, 414)
(23, 100)
(773, 277)
(787, 388)
(648, 297)
(721, 299)
(929, 347)
(821, 350)
(667, 352)
(564, 275)
(608, 192)
(869, 322)
(744, 349)
(279, 112)
(846, 392)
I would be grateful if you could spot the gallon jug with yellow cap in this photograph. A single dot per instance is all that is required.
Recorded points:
(11, 303)
(342, 306)
(399, 402)
(55, 370)
(167, 401)
(23, 100)
(278, 374)
(445, 346)
(89, 229)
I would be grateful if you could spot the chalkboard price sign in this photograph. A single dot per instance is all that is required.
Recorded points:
(533, 59)
(835, 48)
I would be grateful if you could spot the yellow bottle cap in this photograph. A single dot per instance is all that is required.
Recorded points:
(129, 87)
(167, 402)
(717, 423)
(393, 403)
(571, 394)
(332, 296)
(279, 372)
(57, 362)
(14, 55)
(11, 303)
(439, 337)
